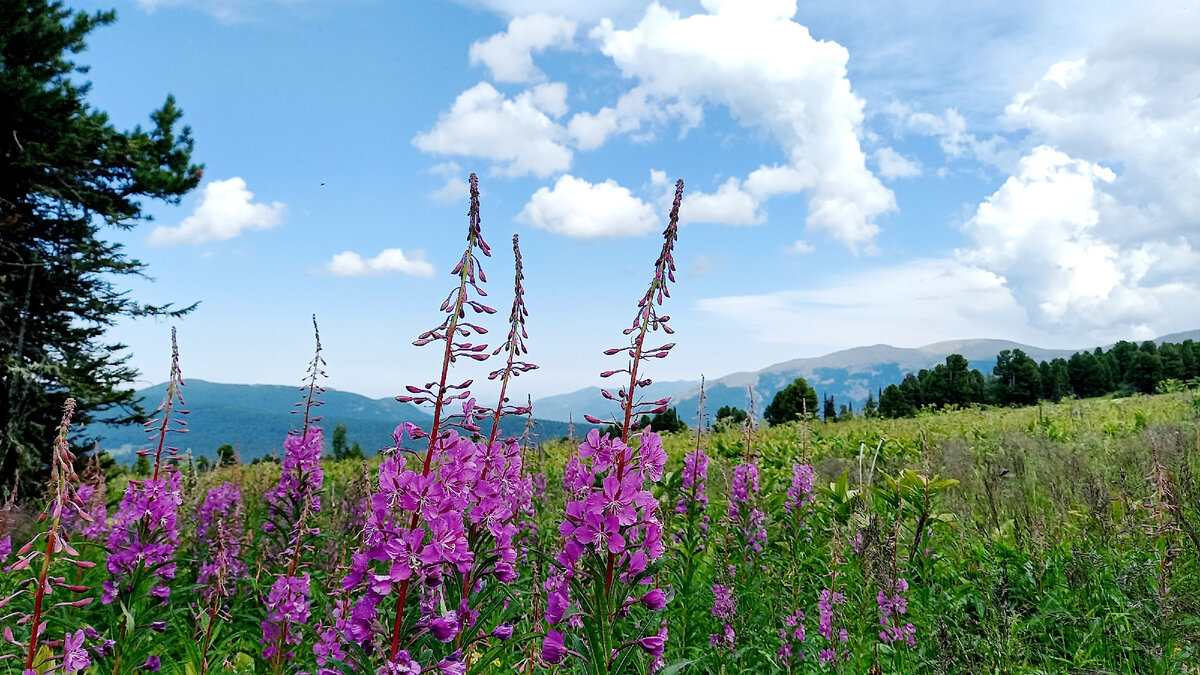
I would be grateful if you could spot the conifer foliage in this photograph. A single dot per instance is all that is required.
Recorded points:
(67, 174)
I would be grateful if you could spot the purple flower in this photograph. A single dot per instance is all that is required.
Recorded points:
(801, 491)
(287, 607)
(75, 657)
(302, 475)
(653, 645)
(504, 631)
(144, 533)
(724, 605)
(445, 627)
(553, 648)
(654, 599)
(5, 548)
(152, 664)
(654, 457)
(328, 646)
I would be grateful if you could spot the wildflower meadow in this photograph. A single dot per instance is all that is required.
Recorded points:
(1045, 539)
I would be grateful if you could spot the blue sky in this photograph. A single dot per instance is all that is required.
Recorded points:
(857, 173)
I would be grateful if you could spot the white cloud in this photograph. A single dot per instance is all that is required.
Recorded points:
(801, 247)
(455, 189)
(915, 303)
(1132, 102)
(894, 165)
(729, 205)
(517, 134)
(579, 209)
(1041, 232)
(1085, 247)
(750, 57)
(509, 55)
(351, 264)
(225, 211)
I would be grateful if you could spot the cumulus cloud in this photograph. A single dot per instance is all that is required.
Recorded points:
(729, 205)
(225, 211)
(1094, 230)
(390, 260)
(518, 135)
(579, 209)
(1041, 233)
(509, 55)
(894, 165)
(801, 247)
(750, 57)
(1132, 102)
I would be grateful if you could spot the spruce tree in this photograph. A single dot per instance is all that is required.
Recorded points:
(66, 176)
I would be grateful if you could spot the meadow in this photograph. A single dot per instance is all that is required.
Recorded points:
(1045, 539)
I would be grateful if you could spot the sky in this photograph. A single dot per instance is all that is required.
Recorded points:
(900, 172)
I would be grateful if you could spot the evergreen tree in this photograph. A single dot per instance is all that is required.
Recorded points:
(730, 416)
(790, 401)
(66, 174)
(829, 414)
(892, 403)
(869, 406)
(338, 443)
(226, 455)
(1145, 371)
(668, 421)
(1172, 361)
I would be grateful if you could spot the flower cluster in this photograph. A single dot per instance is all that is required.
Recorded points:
(302, 476)
(219, 534)
(825, 625)
(724, 609)
(611, 524)
(144, 535)
(287, 608)
(65, 499)
(750, 519)
(790, 635)
(800, 494)
(892, 604)
(695, 487)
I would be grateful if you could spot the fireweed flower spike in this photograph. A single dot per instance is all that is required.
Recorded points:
(144, 535)
(416, 533)
(293, 503)
(64, 499)
(611, 532)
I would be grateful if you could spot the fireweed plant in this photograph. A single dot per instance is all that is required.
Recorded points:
(293, 505)
(689, 545)
(430, 582)
(142, 543)
(604, 597)
(32, 605)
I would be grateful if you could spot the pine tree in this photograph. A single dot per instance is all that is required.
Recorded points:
(66, 174)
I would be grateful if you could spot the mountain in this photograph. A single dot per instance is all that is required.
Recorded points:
(258, 417)
(563, 407)
(848, 375)
(851, 375)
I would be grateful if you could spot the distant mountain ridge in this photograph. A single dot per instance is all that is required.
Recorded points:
(848, 375)
(258, 418)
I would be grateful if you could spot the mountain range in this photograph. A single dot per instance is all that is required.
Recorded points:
(849, 376)
(256, 418)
